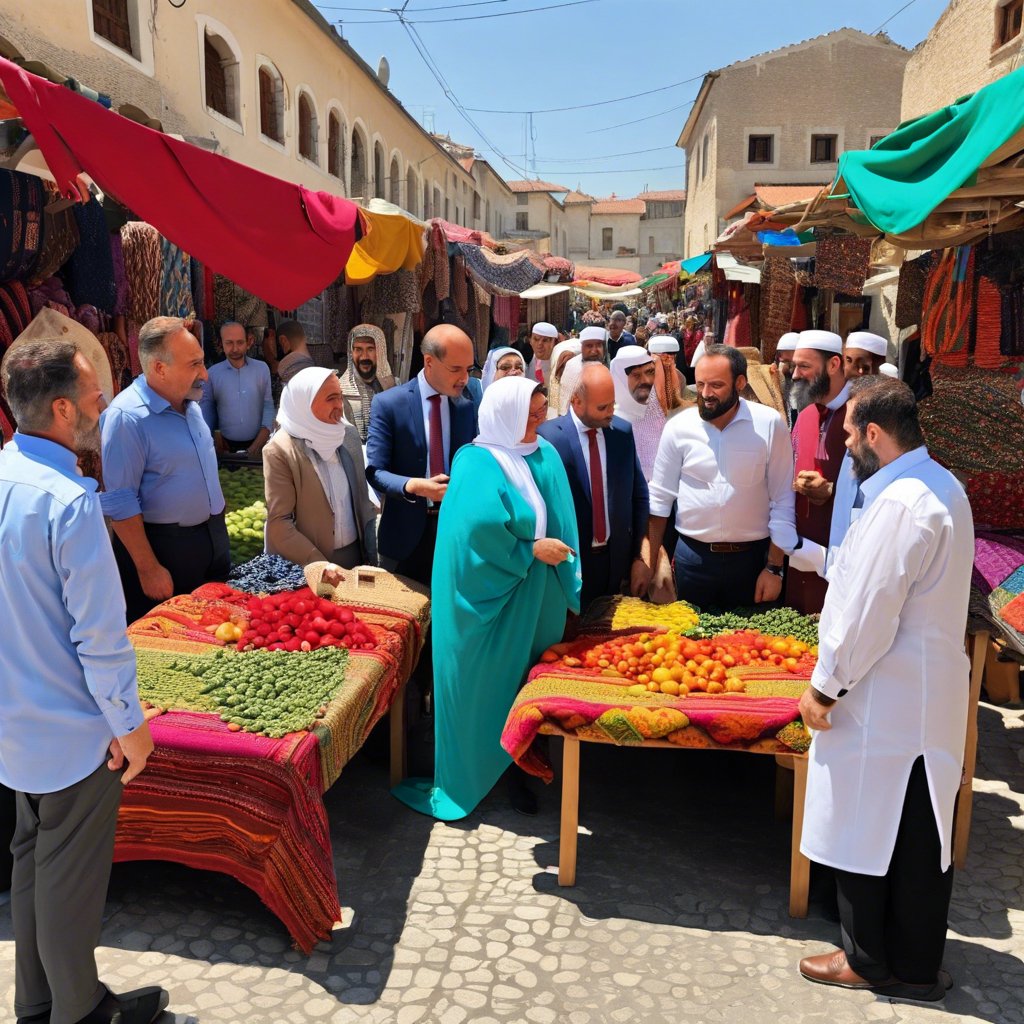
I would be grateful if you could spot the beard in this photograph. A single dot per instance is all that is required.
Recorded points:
(819, 386)
(367, 369)
(86, 436)
(715, 408)
(865, 462)
(801, 392)
(641, 393)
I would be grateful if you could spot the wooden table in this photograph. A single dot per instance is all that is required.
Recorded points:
(800, 866)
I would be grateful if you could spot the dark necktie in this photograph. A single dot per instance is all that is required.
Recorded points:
(597, 489)
(436, 437)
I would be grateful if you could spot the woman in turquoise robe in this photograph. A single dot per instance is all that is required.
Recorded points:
(505, 575)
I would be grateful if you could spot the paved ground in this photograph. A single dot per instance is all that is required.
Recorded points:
(679, 914)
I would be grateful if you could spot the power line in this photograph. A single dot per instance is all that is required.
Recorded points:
(468, 17)
(619, 170)
(891, 16)
(599, 103)
(389, 10)
(688, 103)
(591, 159)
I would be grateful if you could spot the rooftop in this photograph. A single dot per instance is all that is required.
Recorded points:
(781, 195)
(677, 195)
(577, 197)
(613, 205)
(535, 186)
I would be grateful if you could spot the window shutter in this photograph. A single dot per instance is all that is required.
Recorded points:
(110, 20)
(216, 79)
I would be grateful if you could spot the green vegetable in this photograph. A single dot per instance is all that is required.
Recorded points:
(772, 622)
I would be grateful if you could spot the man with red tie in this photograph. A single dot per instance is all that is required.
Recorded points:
(819, 444)
(542, 341)
(609, 491)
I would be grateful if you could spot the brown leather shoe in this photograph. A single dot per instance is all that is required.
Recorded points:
(833, 969)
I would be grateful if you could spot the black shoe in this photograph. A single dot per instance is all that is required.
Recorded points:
(520, 796)
(142, 1006)
(36, 1018)
(923, 994)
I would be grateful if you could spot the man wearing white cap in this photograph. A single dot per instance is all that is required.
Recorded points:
(889, 370)
(542, 341)
(864, 354)
(782, 371)
(593, 341)
(819, 444)
(634, 374)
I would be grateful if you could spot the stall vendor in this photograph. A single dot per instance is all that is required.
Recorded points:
(368, 374)
(318, 504)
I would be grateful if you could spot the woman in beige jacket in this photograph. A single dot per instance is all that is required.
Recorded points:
(318, 504)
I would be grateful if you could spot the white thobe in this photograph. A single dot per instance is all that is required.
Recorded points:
(892, 638)
(811, 557)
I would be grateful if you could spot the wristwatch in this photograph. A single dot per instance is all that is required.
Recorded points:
(775, 570)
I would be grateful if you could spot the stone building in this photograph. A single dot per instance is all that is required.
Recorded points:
(661, 228)
(783, 118)
(540, 221)
(974, 42)
(283, 92)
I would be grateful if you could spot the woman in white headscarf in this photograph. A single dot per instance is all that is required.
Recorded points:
(567, 385)
(502, 362)
(318, 504)
(560, 356)
(505, 576)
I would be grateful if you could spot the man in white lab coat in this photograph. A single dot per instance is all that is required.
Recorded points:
(888, 703)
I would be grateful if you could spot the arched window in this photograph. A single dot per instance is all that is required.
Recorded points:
(427, 213)
(358, 180)
(395, 182)
(271, 104)
(220, 69)
(411, 192)
(335, 145)
(378, 171)
(308, 128)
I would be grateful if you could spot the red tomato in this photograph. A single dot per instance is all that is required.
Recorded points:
(329, 641)
(284, 629)
(311, 638)
(319, 624)
(345, 615)
(254, 604)
(293, 644)
(367, 647)
(337, 629)
(259, 641)
(256, 624)
(301, 608)
(276, 647)
(293, 620)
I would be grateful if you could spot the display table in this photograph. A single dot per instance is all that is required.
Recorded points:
(251, 806)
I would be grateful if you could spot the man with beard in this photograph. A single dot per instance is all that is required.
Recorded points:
(73, 729)
(542, 341)
(782, 371)
(593, 341)
(819, 444)
(634, 374)
(160, 472)
(368, 374)
(888, 701)
(728, 466)
(618, 336)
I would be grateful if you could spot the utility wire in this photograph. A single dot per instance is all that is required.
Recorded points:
(891, 16)
(592, 159)
(468, 17)
(388, 10)
(688, 103)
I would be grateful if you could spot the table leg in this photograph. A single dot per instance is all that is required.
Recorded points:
(965, 795)
(799, 865)
(396, 719)
(570, 811)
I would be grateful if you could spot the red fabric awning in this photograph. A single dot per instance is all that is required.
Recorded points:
(276, 239)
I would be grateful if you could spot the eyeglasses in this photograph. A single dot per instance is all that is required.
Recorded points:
(510, 367)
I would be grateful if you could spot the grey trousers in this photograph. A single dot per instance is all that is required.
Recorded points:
(63, 849)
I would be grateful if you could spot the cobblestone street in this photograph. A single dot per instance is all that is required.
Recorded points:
(679, 912)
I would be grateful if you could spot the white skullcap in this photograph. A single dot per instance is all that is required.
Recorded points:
(629, 356)
(868, 342)
(787, 343)
(821, 341)
(593, 334)
(663, 343)
(545, 330)
(888, 370)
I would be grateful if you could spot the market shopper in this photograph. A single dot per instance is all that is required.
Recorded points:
(819, 444)
(618, 336)
(782, 371)
(542, 340)
(160, 471)
(728, 466)
(318, 503)
(291, 336)
(609, 492)
(560, 356)
(368, 374)
(665, 349)
(593, 345)
(73, 730)
(237, 403)
(502, 362)
(863, 354)
(635, 373)
(505, 576)
(415, 431)
(888, 704)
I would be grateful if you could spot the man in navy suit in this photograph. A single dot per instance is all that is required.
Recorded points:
(608, 487)
(415, 431)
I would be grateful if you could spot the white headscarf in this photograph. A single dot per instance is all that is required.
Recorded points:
(491, 364)
(628, 357)
(503, 414)
(573, 345)
(296, 413)
(570, 382)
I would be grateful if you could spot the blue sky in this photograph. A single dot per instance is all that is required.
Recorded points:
(582, 53)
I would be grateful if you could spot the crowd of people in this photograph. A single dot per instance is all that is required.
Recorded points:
(575, 467)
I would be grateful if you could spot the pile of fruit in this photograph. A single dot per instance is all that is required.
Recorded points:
(677, 617)
(296, 620)
(246, 512)
(267, 574)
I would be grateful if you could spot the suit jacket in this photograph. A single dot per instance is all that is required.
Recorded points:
(628, 502)
(300, 522)
(396, 450)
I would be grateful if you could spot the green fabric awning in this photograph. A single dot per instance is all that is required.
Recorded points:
(650, 282)
(899, 182)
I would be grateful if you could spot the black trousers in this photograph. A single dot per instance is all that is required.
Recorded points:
(595, 573)
(63, 850)
(895, 924)
(711, 579)
(193, 555)
(419, 564)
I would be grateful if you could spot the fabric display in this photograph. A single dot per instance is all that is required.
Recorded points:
(501, 275)
(988, 317)
(1011, 320)
(948, 306)
(15, 315)
(176, 282)
(505, 310)
(460, 285)
(439, 262)
(841, 263)
(22, 200)
(393, 293)
(141, 246)
(120, 278)
(997, 499)
(737, 328)
(89, 271)
(232, 302)
(393, 243)
(60, 237)
(910, 293)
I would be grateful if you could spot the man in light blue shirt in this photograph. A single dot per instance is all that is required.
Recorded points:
(237, 404)
(160, 472)
(71, 715)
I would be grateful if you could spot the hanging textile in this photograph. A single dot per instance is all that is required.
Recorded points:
(947, 307)
(120, 278)
(232, 302)
(841, 263)
(988, 325)
(176, 282)
(89, 271)
(505, 309)
(910, 293)
(393, 293)
(393, 243)
(60, 238)
(141, 245)
(501, 275)
(22, 200)
(460, 285)
(440, 263)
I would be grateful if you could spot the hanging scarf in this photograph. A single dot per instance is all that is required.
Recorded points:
(504, 412)
(491, 364)
(627, 358)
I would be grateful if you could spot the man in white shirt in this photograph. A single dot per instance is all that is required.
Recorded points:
(888, 701)
(542, 341)
(728, 466)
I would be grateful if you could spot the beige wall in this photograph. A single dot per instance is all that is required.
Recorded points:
(497, 203)
(959, 56)
(167, 81)
(625, 228)
(578, 223)
(663, 235)
(545, 215)
(845, 84)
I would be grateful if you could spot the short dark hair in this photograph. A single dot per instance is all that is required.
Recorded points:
(890, 405)
(231, 323)
(35, 376)
(737, 360)
(292, 330)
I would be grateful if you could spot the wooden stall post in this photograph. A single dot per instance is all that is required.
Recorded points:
(570, 811)
(965, 797)
(799, 865)
(396, 720)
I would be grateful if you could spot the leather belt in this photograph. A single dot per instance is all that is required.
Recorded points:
(729, 549)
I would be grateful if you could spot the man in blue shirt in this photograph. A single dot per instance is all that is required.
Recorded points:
(71, 717)
(237, 404)
(160, 472)
(618, 336)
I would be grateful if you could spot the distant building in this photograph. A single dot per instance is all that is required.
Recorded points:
(783, 118)
(973, 43)
(540, 222)
(661, 228)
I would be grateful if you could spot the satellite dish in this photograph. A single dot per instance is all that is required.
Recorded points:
(384, 71)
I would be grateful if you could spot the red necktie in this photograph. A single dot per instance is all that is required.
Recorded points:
(597, 489)
(540, 373)
(436, 437)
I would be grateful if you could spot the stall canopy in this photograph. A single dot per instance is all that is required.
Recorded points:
(607, 276)
(695, 263)
(280, 241)
(395, 242)
(543, 291)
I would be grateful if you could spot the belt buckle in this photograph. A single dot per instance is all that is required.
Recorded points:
(724, 548)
